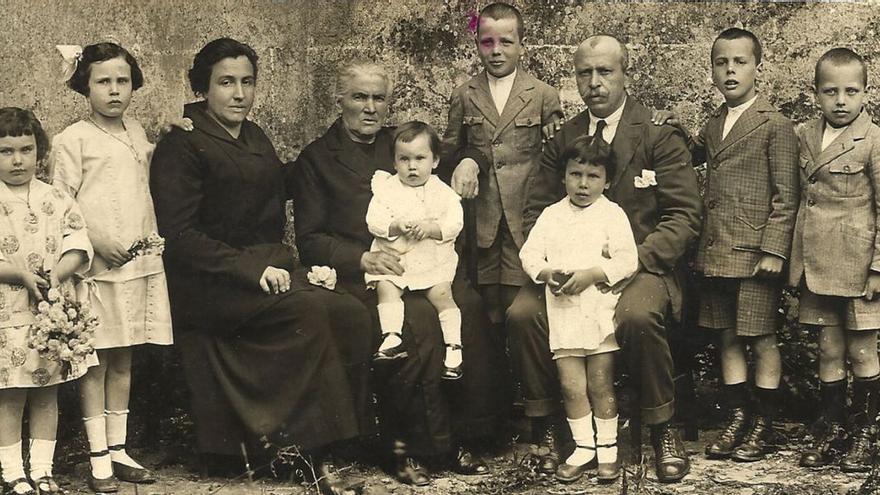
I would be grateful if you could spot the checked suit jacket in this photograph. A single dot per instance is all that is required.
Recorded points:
(836, 243)
(510, 144)
(751, 193)
(665, 217)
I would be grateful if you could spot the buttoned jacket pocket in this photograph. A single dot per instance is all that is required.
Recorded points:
(528, 133)
(849, 178)
(476, 130)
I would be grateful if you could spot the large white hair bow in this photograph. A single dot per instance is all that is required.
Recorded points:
(71, 55)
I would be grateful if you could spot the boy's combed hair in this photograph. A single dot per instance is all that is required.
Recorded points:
(16, 122)
(737, 34)
(100, 52)
(585, 149)
(361, 67)
(414, 128)
(215, 51)
(498, 11)
(841, 56)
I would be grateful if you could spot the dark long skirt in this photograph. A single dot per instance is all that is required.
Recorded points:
(282, 374)
(430, 414)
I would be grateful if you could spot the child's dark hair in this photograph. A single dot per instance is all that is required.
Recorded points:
(213, 52)
(500, 11)
(841, 56)
(414, 128)
(737, 34)
(585, 149)
(16, 122)
(100, 52)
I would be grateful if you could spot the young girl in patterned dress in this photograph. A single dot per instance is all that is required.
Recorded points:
(103, 161)
(41, 229)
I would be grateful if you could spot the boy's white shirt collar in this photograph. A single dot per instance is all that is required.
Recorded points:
(734, 113)
(611, 122)
(500, 87)
(831, 133)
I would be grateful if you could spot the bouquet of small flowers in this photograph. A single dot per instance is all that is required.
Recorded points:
(152, 244)
(63, 330)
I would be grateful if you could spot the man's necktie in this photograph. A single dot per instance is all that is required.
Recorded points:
(600, 126)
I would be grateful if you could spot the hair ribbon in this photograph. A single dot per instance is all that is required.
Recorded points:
(71, 55)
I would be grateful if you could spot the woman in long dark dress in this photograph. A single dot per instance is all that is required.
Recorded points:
(331, 184)
(258, 342)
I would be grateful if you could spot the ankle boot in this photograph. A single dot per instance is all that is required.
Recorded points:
(545, 431)
(731, 435)
(865, 405)
(671, 462)
(825, 441)
(761, 437)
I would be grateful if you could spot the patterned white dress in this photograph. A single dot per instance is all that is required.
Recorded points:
(109, 176)
(34, 233)
(428, 262)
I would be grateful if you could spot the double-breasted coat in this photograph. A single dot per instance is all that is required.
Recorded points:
(836, 244)
(331, 183)
(255, 363)
(511, 143)
(751, 192)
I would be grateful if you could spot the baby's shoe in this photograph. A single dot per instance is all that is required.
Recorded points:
(452, 364)
(391, 348)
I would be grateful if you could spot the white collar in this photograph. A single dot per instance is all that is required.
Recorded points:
(502, 80)
(742, 107)
(613, 119)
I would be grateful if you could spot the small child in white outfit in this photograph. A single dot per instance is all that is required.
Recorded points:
(417, 217)
(581, 241)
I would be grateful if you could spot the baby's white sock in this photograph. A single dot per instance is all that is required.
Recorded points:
(450, 324)
(391, 322)
(99, 456)
(583, 435)
(42, 452)
(606, 440)
(117, 426)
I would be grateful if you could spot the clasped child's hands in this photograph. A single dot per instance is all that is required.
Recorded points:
(581, 280)
(33, 283)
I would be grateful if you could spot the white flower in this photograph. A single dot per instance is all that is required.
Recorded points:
(322, 276)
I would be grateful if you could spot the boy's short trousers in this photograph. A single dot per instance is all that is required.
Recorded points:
(607, 345)
(499, 263)
(853, 313)
(750, 305)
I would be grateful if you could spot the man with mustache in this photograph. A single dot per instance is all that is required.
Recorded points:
(657, 188)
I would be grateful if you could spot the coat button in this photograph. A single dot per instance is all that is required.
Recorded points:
(713, 203)
(812, 179)
(710, 242)
(496, 143)
(810, 202)
(846, 168)
(500, 163)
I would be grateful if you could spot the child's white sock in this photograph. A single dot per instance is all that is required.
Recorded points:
(450, 324)
(583, 435)
(42, 452)
(11, 462)
(117, 426)
(606, 440)
(99, 456)
(391, 322)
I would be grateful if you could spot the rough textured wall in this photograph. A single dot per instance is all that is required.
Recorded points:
(425, 42)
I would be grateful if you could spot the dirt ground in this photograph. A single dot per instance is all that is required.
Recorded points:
(511, 474)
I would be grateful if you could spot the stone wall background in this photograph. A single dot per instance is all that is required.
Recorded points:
(425, 43)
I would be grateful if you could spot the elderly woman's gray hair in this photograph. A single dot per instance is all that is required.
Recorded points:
(361, 67)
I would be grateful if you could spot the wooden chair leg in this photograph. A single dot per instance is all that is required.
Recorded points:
(635, 438)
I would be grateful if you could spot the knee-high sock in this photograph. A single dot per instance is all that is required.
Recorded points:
(42, 452)
(606, 440)
(584, 438)
(99, 456)
(450, 324)
(391, 322)
(11, 462)
(117, 427)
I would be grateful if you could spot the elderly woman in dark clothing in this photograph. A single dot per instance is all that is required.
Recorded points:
(331, 184)
(264, 352)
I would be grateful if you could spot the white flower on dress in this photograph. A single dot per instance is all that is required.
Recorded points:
(9, 245)
(322, 276)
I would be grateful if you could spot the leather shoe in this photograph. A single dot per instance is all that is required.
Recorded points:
(392, 354)
(670, 458)
(858, 457)
(468, 464)
(731, 435)
(608, 472)
(410, 472)
(759, 441)
(567, 473)
(331, 483)
(103, 485)
(547, 441)
(131, 474)
(823, 446)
